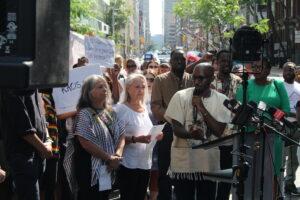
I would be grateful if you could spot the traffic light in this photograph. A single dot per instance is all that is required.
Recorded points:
(34, 43)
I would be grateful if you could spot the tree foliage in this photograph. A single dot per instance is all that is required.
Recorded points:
(210, 13)
(83, 9)
(219, 16)
(119, 13)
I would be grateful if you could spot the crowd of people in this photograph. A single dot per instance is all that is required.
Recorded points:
(105, 145)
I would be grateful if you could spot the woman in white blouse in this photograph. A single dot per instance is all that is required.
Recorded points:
(135, 167)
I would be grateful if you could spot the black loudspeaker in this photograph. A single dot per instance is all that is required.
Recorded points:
(34, 43)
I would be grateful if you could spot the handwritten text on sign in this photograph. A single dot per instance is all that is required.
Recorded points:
(99, 51)
(66, 98)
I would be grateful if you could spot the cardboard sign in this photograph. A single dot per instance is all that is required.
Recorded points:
(66, 98)
(99, 51)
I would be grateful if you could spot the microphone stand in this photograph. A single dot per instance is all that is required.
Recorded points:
(243, 166)
(262, 177)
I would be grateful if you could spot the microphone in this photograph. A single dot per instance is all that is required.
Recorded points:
(232, 105)
(280, 117)
(195, 93)
(244, 113)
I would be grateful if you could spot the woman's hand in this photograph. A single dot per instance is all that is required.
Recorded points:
(143, 139)
(2, 176)
(159, 137)
(114, 162)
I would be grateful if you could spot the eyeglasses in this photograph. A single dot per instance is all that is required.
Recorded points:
(150, 79)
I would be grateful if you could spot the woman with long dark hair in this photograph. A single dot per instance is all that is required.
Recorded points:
(100, 140)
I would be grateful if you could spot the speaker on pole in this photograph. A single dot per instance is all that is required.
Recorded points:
(34, 43)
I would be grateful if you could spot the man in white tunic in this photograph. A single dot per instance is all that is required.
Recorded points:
(197, 115)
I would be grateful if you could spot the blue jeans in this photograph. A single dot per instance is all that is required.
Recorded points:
(26, 171)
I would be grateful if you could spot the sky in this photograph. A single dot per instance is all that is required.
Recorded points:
(155, 12)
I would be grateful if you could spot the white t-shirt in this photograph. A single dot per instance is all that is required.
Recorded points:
(136, 155)
(184, 159)
(293, 91)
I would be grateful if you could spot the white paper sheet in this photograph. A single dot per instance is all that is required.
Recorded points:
(156, 130)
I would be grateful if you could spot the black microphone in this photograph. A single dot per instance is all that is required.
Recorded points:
(244, 113)
(195, 93)
(232, 105)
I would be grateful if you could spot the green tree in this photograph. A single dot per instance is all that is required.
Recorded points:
(220, 17)
(213, 16)
(83, 10)
(117, 16)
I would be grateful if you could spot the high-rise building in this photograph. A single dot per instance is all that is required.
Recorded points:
(144, 24)
(169, 24)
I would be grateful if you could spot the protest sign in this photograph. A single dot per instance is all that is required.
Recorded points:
(100, 51)
(77, 48)
(66, 98)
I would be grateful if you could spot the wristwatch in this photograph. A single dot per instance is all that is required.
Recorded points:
(133, 139)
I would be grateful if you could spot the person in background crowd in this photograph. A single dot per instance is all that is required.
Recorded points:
(111, 76)
(5, 178)
(49, 179)
(153, 183)
(191, 57)
(144, 66)
(130, 67)
(210, 121)
(83, 61)
(153, 65)
(273, 93)
(164, 68)
(207, 57)
(297, 73)
(293, 91)
(150, 75)
(27, 141)
(134, 172)
(119, 60)
(225, 83)
(164, 87)
(119, 66)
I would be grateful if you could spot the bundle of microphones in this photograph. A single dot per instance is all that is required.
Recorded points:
(261, 112)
